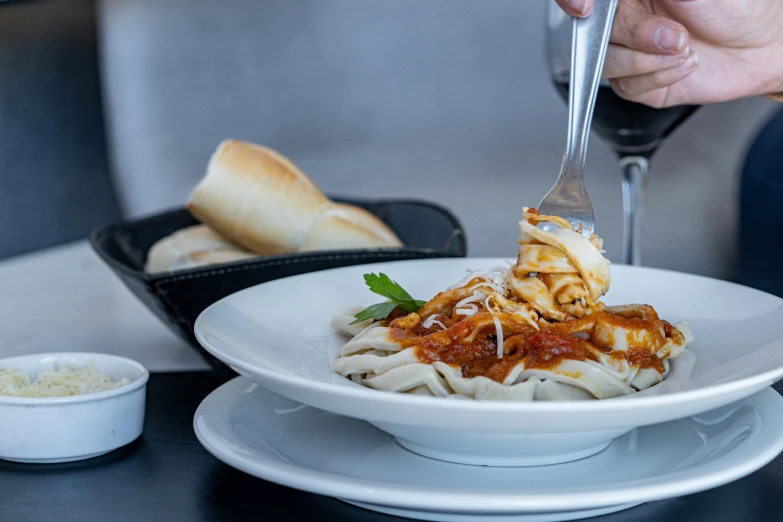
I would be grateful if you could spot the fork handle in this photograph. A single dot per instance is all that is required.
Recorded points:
(588, 49)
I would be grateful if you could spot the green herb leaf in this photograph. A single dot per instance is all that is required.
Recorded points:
(377, 311)
(383, 285)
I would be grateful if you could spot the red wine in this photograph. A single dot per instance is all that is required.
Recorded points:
(632, 129)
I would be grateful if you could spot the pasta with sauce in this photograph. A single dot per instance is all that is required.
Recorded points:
(533, 331)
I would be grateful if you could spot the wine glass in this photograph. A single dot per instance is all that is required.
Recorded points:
(634, 131)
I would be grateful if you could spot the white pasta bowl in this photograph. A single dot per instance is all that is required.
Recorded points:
(278, 334)
(46, 430)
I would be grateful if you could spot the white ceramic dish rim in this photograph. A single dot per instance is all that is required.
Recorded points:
(617, 405)
(281, 471)
(14, 363)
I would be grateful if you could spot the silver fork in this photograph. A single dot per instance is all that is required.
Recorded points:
(568, 198)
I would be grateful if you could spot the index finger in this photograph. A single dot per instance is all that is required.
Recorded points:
(580, 8)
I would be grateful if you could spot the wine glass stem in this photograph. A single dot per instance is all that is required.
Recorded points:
(635, 170)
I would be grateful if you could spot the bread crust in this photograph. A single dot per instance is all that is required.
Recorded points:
(260, 200)
(191, 247)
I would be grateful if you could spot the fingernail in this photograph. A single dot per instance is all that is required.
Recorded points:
(580, 6)
(691, 63)
(669, 39)
(674, 58)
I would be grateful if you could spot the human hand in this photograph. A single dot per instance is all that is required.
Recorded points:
(675, 52)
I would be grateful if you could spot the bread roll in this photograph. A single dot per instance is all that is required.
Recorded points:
(347, 226)
(192, 247)
(263, 202)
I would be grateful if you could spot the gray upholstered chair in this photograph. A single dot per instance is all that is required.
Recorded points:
(54, 175)
(447, 100)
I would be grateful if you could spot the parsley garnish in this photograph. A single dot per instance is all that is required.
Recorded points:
(382, 285)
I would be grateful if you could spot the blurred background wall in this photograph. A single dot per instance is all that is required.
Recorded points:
(441, 99)
(447, 100)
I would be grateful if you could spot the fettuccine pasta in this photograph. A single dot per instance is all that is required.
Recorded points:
(532, 331)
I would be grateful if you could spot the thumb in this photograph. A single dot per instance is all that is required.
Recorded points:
(580, 8)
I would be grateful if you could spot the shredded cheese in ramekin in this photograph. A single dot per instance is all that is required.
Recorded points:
(65, 380)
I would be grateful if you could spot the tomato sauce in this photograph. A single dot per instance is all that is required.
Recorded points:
(470, 344)
(478, 356)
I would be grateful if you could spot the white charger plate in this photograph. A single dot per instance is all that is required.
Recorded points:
(276, 439)
(278, 334)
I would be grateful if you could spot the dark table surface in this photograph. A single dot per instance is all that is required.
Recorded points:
(167, 475)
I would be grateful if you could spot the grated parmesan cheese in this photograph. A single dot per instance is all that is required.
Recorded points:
(494, 277)
(498, 327)
(64, 381)
(428, 322)
(469, 310)
(465, 280)
(476, 296)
